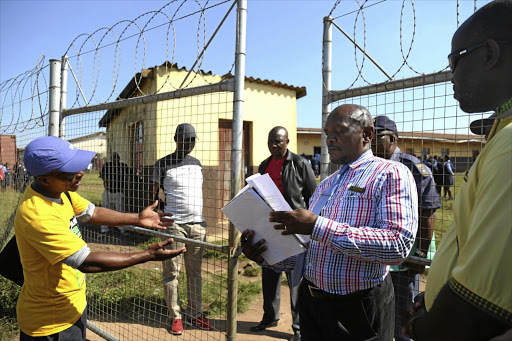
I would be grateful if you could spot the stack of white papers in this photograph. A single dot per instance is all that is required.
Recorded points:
(249, 210)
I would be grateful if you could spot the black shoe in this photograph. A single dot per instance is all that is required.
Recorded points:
(295, 337)
(263, 325)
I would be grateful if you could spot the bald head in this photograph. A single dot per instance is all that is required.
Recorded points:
(358, 116)
(349, 133)
(492, 21)
(278, 142)
(279, 130)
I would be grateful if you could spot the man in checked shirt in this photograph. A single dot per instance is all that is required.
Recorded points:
(363, 219)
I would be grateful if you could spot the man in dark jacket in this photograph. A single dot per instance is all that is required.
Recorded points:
(295, 178)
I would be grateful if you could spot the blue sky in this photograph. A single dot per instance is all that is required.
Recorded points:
(284, 39)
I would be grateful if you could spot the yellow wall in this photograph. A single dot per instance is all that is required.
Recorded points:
(461, 149)
(118, 131)
(306, 142)
(96, 144)
(265, 106)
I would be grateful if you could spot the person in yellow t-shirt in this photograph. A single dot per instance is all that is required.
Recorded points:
(468, 294)
(55, 258)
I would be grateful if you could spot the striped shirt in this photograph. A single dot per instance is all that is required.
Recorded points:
(369, 223)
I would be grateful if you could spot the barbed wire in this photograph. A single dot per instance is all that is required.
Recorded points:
(20, 96)
(24, 99)
(405, 53)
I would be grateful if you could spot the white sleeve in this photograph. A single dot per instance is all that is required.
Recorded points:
(77, 258)
(86, 215)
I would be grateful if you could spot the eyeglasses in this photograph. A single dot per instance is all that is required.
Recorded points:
(454, 57)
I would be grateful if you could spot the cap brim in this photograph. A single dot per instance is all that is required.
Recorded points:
(478, 127)
(186, 136)
(78, 163)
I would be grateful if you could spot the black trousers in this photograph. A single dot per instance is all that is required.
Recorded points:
(271, 284)
(368, 315)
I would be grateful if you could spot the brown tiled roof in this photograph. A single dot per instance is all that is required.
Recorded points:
(309, 130)
(442, 136)
(458, 138)
(81, 138)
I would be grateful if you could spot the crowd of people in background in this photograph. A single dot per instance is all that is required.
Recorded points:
(443, 172)
(15, 178)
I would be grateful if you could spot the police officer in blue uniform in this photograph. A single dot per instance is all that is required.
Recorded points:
(405, 276)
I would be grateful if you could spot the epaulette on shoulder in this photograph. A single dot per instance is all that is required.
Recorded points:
(420, 166)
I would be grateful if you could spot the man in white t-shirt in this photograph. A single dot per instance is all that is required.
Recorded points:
(181, 178)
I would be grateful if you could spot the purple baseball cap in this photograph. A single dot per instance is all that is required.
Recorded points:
(50, 153)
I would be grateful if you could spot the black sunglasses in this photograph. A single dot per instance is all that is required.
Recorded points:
(454, 57)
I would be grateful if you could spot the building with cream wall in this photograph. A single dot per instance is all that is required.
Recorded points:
(144, 133)
(462, 148)
(94, 142)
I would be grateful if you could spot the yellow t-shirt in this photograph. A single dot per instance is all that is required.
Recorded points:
(481, 263)
(52, 298)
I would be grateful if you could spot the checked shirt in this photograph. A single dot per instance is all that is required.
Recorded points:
(368, 223)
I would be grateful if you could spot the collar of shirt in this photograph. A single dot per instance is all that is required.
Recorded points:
(396, 155)
(361, 159)
(504, 110)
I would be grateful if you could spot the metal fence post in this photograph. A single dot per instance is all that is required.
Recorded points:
(53, 122)
(63, 96)
(326, 88)
(236, 164)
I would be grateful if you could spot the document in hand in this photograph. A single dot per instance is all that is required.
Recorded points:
(249, 210)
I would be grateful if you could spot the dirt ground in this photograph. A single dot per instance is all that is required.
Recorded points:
(251, 317)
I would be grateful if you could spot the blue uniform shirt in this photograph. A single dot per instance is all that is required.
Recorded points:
(428, 198)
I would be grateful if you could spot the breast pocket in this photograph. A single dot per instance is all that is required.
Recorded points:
(356, 208)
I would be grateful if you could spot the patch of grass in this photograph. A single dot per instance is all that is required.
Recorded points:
(216, 293)
(9, 200)
(151, 240)
(8, 328)
(135, 292)
(214, 254)
(252, 271)
(444, 215)
(9, 293)
(246, 293)
(91, 187)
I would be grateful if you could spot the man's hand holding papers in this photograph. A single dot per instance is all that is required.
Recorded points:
(250, 250)
(299, 221)
(251, 209)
